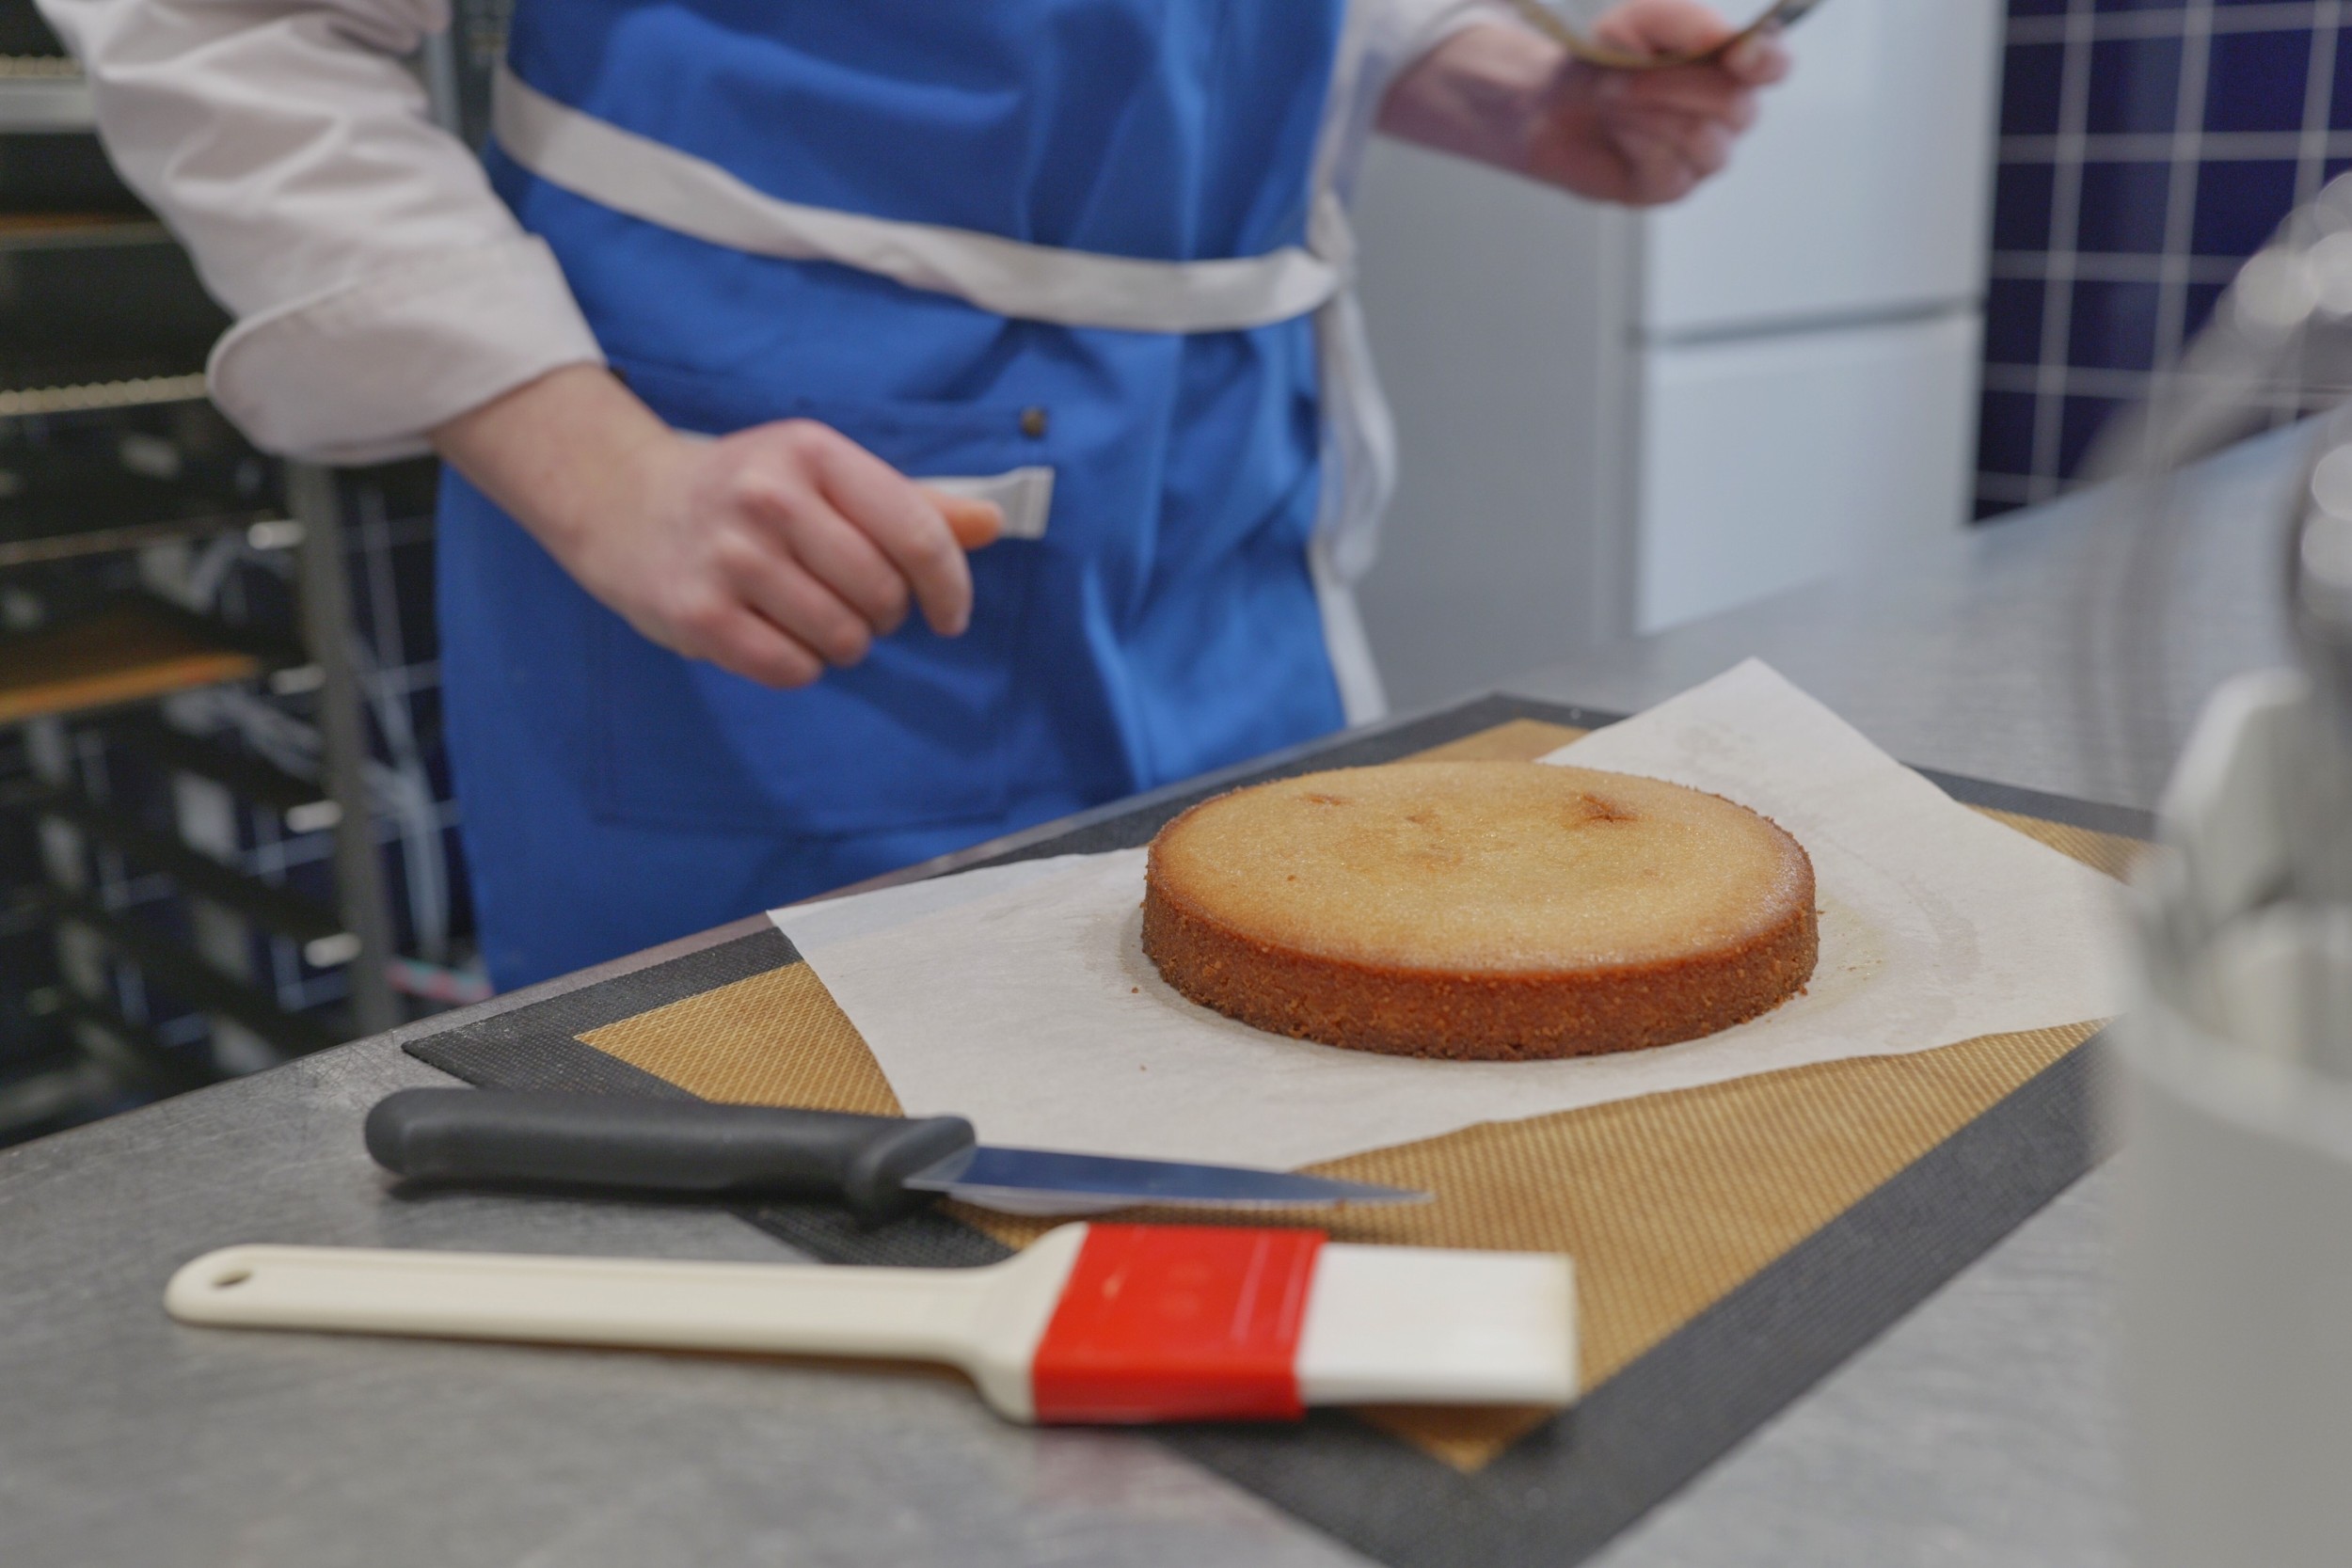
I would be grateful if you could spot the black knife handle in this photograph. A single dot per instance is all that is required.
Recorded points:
(534, 1138)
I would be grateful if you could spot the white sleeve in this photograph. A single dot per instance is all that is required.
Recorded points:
(1402, 31)
(1380, 41)
(380, 287)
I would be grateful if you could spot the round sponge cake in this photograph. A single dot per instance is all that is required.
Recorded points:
(1502, 911)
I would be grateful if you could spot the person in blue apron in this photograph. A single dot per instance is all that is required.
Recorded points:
(708, 640)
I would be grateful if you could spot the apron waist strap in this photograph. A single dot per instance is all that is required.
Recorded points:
(647, 179)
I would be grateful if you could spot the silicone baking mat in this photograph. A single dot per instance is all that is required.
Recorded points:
(1733, 1243)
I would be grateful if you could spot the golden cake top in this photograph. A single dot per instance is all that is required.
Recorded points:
(1483, 867)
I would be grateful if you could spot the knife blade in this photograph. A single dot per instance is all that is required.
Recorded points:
(878, 1167)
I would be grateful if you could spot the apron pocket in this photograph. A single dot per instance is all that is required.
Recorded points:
(915, 735)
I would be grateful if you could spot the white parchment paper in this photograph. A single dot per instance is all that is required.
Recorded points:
(1020, 997)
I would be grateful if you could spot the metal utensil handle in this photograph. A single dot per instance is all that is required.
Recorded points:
(1545, 20)
(687, 1147)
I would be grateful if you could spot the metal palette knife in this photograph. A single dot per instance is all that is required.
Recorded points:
(1569, 23)
(876, 1166)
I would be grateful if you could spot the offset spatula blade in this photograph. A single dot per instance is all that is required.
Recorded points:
(1041, 1181)
(876, 1166)
(1570, 25)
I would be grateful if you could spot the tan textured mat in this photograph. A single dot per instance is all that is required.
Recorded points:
(1666, 1203)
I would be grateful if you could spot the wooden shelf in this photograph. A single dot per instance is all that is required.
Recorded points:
(42, 95)
(67, 545)
(23, 232)
(88, 397)
(38, 68)
(127, 654)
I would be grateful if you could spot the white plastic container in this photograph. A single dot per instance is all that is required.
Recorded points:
(2235, 1263)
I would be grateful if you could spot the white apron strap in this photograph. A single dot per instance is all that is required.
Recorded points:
(1358, 432)
(1359, 475)
(643, 178)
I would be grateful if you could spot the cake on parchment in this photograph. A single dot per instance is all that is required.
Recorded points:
(1504, 911)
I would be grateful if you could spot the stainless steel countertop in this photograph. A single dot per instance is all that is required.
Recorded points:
(1974, 1433)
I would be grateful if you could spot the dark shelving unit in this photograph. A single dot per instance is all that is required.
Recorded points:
(195, 803)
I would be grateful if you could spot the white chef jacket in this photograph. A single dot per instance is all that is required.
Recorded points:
(380, 287)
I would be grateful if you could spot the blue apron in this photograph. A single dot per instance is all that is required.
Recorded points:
(615, 795)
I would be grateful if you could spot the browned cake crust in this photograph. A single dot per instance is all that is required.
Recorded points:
(1525, 1012)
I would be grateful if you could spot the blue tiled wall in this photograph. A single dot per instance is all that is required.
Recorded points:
(2146, 148)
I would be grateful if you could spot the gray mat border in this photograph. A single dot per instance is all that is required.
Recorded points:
(1561, 1494)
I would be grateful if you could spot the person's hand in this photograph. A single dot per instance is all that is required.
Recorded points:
(1645, 137)
(774, 552)
(1510, 97)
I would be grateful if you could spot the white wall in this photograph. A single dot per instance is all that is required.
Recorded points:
(1612, 420)
(1768, 462)
(1811, 320)
(1865, 185)
(1498, 312)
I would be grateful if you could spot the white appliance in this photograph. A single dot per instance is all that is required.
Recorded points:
(1616, 421)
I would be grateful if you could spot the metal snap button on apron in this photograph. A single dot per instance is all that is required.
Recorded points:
(1033, 422)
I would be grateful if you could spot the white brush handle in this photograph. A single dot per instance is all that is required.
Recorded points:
(985, 1320)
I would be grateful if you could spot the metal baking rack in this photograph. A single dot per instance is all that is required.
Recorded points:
(181, 680)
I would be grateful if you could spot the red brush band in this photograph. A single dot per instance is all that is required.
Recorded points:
(1178, 1323)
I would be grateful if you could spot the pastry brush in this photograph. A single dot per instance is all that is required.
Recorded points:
(1115, 1324)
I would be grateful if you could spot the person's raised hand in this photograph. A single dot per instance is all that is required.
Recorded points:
(1645, 137)
(775, 553)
